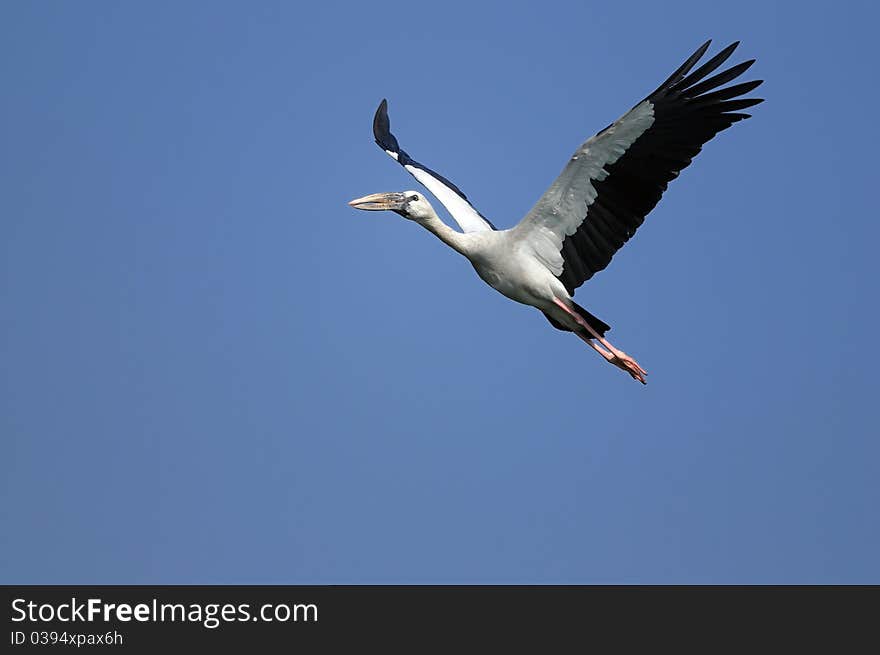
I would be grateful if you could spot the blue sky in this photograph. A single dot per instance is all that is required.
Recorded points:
(215, 371)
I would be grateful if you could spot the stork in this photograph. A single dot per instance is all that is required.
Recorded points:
(612, 181)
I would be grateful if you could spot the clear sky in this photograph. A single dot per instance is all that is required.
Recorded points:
(212, 370)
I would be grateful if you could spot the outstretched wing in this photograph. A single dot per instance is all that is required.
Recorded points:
(615, 178)
(468, 218)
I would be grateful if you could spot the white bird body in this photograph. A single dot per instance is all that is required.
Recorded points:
(509, 265)
(595, 205)
(501, 258)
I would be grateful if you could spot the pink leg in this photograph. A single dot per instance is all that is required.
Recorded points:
(617, 357)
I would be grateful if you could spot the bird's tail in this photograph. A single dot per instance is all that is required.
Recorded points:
(597, 324)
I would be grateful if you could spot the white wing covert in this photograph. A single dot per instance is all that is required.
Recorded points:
(468, 218)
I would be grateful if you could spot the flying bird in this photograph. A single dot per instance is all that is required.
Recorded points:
(612, 181)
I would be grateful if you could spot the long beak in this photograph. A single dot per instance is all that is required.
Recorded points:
(380, 201)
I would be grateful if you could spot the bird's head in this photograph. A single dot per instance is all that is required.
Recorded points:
(409, 204)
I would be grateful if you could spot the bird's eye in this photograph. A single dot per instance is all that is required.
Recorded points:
(413, 198)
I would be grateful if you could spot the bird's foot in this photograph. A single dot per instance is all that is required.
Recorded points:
(626, 363)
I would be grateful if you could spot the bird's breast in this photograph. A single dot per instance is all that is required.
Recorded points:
(519, 278)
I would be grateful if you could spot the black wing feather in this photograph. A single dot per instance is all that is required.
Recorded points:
(686, 116)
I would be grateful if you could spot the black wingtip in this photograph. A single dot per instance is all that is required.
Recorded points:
(382, 128)
(706, 68)
(694, 58)
(684, 69)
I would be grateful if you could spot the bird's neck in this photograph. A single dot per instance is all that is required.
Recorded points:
(456, 240)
